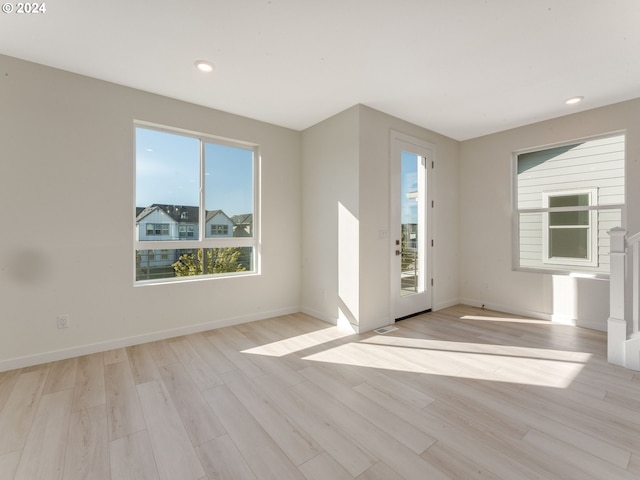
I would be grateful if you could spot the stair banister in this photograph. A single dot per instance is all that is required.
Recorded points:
(623, 338)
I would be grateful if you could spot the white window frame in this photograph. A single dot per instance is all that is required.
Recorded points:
(202, 241)
(592, 230)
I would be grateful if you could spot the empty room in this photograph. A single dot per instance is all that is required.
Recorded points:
(289, 239)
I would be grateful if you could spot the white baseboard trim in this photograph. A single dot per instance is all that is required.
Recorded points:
(554, 318)
(445, 304)
(52, 356)
(339, 322)
(601, 327)
(319, 315)
(506, 309)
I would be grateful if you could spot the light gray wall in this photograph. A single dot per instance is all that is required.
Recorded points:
(66, 159)
(375, 185)
(486, 275)
(346, 217)
(66, 148)
(330, 186)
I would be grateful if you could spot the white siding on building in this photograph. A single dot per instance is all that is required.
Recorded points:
(222, 220)
(593, 164)
(157, 216)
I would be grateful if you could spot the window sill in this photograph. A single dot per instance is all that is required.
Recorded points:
(195, 278)
(566, 273)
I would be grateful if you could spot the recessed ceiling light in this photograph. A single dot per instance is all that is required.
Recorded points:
(574, 100)
(204, 66)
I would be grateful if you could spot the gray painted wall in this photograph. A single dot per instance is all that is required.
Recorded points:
(67, 159)
(486, 274)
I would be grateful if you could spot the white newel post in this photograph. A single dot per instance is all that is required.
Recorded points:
(632, 345)
(635, 284)
(616, 325)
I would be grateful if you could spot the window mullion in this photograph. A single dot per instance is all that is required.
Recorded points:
(202, 211)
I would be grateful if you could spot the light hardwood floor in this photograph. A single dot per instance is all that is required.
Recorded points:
(462, 393)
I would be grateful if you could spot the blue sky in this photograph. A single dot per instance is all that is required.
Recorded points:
(409, 183)
(168, 171)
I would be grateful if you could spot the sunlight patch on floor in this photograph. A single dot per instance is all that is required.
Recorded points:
(498, 363)
(480, 348)
(298, 343)
(478, 361)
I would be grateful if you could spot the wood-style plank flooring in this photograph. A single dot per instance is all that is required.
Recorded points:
(462, 393)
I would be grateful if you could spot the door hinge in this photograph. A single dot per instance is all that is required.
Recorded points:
(432, 203)
(433, 164)
(432, 282)
(432, 242)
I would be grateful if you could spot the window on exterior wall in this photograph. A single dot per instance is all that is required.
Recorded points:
(219, 229)
(157, 229)
(183, 180)
(566, 200)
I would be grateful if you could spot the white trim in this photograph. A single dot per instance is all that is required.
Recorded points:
(319, 315)
(576, 272)
(566, 143)
(203, 241)
(344, 325)
(399, 142)
(506, 309)
(446, 304)
(229, 142)
(552, 318)
(55, 355)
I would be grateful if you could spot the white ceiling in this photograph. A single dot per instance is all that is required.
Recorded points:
(463, 68)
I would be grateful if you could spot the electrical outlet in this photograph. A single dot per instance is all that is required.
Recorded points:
(63, 320)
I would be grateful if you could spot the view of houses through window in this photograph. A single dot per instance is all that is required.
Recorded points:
(194, 212)
(566, 199)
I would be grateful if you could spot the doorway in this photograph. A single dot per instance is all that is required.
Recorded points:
(412, 161)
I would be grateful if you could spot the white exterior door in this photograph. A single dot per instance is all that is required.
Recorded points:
(411, 240)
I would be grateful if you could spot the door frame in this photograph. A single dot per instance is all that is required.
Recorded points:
(417, 303)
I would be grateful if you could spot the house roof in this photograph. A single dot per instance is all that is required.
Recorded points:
(213, 213)
(179, 213)
(188, 214)
(244, 219)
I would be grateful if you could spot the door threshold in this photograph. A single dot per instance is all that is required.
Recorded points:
(413, 315)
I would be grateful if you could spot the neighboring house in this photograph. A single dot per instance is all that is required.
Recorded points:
(243, 225)
(161, 222)
(218, 224)
(167, 222)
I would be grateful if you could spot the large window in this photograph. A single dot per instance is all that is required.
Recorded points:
(183, 180)
(566, 200)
